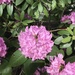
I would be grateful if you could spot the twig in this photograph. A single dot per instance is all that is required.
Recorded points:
(56, 30)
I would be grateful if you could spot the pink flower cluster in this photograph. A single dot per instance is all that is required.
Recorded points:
(3, 48)
(69, 69)
(4, 1)
(35, 42)
(58, 66)
(65, 18)
(72, 17)
(56, 63)
(69, 18)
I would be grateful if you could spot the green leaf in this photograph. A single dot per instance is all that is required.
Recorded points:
(18, 2)
(46, 12)
(29, 1)
(70, 59)
(26, 22)
(24, 6)
(31, 66)
(69, 51)
(74, 31)
(34, 5)
(41, 16)
(36, 14)
(7, 71)
(14, 32)
(67, 39)
(63, 32)
(66, 45)
(48, 5)
(10, 9)
(69, 30)
(58, 40)
(54, 51)
(4, 5)
(62, 3)
(71, 26)
(40, 7)
(16, 16)
(53, 4)
(17, 59)
(29, 11)
(1, 10)
(3, 65)
(73, 37)
(22, 15)
(16, 25)
(69, 1)
(61, 51)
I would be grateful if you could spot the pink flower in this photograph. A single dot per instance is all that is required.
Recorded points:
(35, 42)
(58, 67)
(3, 48)
(4, 1)
(72, 17)
(69, 69)
(55, 66)
(65, 18)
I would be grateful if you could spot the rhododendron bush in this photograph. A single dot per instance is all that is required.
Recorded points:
(37, 37)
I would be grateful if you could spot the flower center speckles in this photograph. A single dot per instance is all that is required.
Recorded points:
(61, 67)
(36, 36)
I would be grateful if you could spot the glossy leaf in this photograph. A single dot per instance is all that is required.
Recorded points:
(40, 7)
(63, 32)
(58, 40)
(18, 2)
(53, 4)
(34, 5)
(22, 15)
(29, 1)
(62, 2)
(16, 24)
(17, 59)
(10, 9)
(74, 31)
(73, 37)
(16, 16)
(36, 14)
(54, 51)
(66, 45)
(66, 39)
(1, 10)
(46, 12)
(24, 6)
(26, 22)
(30, 66)
(3, 65)
(7, 71)
(69, 30)
(70, 59)
(69, 51)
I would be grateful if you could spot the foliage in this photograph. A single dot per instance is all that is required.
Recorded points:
(16, 15)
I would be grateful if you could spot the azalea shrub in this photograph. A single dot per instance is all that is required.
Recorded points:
(37, 37)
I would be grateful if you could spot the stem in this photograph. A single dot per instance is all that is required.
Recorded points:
(56, 30)
(21, 72)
